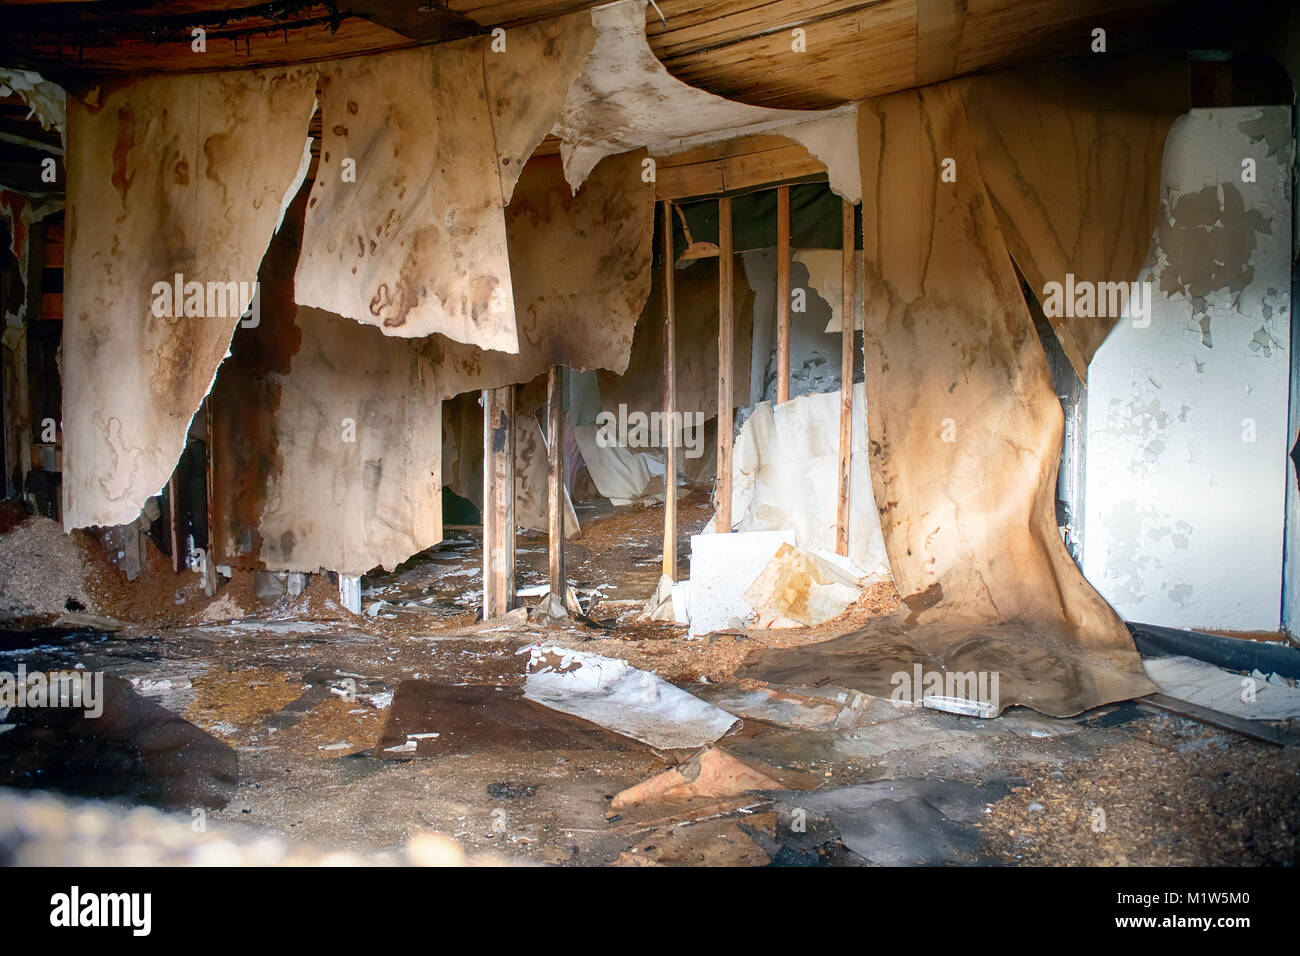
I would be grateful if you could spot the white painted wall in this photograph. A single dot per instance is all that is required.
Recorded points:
(1183, 513)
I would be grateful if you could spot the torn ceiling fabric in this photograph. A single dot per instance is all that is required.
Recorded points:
(527, 83)
(188, 173)
(626, 99)
(405, 226)
(580, 266)
(1070, 153)
(965, 435)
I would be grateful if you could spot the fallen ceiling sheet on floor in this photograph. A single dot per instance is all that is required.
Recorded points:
(1256, 697)
(965, 435)
(614, 694)
(435, 720)
(172, 176)
(327, 436)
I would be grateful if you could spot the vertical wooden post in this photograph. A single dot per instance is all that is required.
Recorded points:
(210, 553)
(174, 523)
(670, 398)
(726, 350)
(498, 500)
(846, 383)
(782, 294)
(555, 483)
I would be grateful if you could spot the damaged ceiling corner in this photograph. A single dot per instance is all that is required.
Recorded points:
(626, 99)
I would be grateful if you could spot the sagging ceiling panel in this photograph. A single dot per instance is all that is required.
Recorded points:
(405, 229)
(177, 176)
(1071, 153)
(580, 265)
(965, 434)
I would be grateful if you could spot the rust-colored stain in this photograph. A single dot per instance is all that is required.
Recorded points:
(246, 399)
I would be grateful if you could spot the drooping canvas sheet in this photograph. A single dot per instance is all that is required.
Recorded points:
(416, 244)
(964, 434)
(1070, 154)
(177, 175)
(326, 436)
(580, 265)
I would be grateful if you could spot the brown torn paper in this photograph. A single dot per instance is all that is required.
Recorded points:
(1070, 153)
(580, 265)
(405, 227)
(176, 175)
(965, 434)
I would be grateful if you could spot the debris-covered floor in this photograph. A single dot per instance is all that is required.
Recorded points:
(307, 730)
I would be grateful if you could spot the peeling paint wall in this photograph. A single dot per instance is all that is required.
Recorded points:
(1187, 418)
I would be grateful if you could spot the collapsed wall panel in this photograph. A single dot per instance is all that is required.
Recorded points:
(405, 226)
(964, 435)
(180, 176)
(327, 436)
(1070, 154)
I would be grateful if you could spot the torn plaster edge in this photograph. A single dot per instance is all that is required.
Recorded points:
(20, 219)
(45, 99)
(622, 62)
(830, 137)
(299, 178)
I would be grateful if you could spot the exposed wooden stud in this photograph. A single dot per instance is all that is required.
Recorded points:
(174, 524)
(783, 294)
(846, 383)
(498, 500)
(670, 398)
(726, 361)
(555, 482)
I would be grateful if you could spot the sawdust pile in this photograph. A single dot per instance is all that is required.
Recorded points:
(43, 572)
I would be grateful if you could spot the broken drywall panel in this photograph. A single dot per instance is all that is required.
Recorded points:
(964, 434)
(580, 266)
(615, 695)
(641, 386)
(326, 436)
(625, 99)
(785, 476)
(826, 278)
(1186, 470)
(1070, 154)
(527, 74)
(1255, 697)
(800, 587)
(814, 326)
(172, 181)
(405, 226)
(723, 566)
(45, 99)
